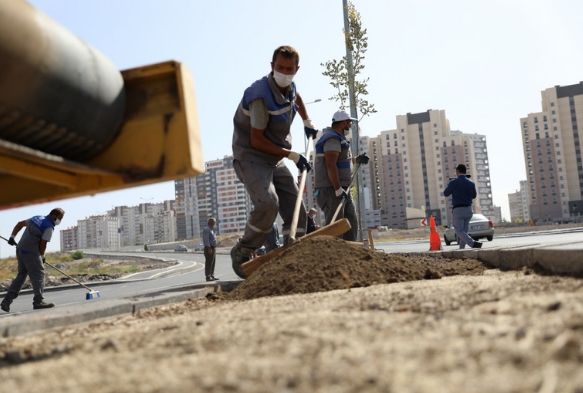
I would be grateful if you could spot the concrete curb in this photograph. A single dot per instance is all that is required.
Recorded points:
(53, 318)
(557, 258)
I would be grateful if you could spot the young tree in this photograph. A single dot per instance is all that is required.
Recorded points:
(343, 72)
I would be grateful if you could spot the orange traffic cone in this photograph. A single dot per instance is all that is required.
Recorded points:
(434, 240)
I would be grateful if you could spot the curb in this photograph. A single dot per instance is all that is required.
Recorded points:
(553, 258)
(67, 316)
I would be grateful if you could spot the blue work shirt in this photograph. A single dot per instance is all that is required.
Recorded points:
(208, 237)
(463, 190)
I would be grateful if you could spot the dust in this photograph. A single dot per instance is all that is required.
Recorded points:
(327, 263)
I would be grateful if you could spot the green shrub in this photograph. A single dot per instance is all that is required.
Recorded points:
(77, 254)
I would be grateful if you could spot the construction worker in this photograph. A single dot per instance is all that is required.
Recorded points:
(272, 241)
(312, 226)
(261, 139)
(333, 168)
(30, 253)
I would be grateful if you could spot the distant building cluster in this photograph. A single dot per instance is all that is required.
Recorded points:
(409, 169)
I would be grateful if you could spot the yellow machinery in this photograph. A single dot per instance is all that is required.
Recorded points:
(71, 124)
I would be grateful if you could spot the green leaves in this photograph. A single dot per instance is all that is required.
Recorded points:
(341, 78)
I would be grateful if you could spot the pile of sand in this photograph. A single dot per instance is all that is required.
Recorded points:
(326, 263)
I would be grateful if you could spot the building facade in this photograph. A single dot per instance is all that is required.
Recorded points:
(552, 155)
(519, 205)
(411, 165)
(216, 193)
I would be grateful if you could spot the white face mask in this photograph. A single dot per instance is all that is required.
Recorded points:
(283, 80)
(57, 221)
(347, 129)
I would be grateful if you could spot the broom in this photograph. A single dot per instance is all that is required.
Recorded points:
(91, 295)
(88, 296)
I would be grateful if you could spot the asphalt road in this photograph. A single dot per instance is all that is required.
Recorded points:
(190, 270)
(534, 239)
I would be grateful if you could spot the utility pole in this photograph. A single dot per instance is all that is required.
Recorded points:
(354, 114)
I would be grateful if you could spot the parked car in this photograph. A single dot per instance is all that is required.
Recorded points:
(480, 227)
(199, 247)
(180, 248)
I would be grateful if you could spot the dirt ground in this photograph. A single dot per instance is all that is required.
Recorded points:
(328, 317)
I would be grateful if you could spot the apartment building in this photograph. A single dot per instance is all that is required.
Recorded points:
(519, 205)
(187, 219)
(552, 155)
(411, 165)
(216, 193)
(98, 232)
(69, 239)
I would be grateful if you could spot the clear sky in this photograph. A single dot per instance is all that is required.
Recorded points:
(483, 62)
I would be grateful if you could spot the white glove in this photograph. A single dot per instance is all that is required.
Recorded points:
(308, 123)
(295, 157)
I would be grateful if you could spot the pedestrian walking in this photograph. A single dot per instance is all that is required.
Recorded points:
(30, 253)
(333, 168)
(261, 140)
(463, 191)
(209, 241)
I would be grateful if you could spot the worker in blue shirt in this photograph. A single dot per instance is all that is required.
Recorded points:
(463, 191)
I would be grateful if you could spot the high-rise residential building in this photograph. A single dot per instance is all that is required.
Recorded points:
(216, 193)
(411, 165)
(69, 240)
(98, 232)
(552, 155)
(518, 203)
(187, 219)
(409, 168)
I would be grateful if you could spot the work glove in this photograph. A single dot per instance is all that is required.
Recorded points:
(44, 259)
(362, 159)
(340, 193)
(300, 161)
(11, 241)
(309, 129)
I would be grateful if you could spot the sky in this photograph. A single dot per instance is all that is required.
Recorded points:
(484, 63)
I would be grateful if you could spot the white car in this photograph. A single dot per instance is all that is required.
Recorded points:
(479, 228)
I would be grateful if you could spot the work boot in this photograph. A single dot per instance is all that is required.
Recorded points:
(209, 278)
(240, 255)
(5, 306)
(477, 245)
(214, 278)
(43, 304)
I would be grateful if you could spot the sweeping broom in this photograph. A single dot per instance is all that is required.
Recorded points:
(91, 295)
(88, 296)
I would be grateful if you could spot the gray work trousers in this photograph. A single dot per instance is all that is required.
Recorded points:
(210, 260)
(328, 201)
(30, 265)
(272, 190)
(461, 221)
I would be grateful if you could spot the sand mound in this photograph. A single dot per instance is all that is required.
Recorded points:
(326, 263)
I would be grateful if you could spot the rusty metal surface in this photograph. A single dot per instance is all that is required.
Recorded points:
(57, 94)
